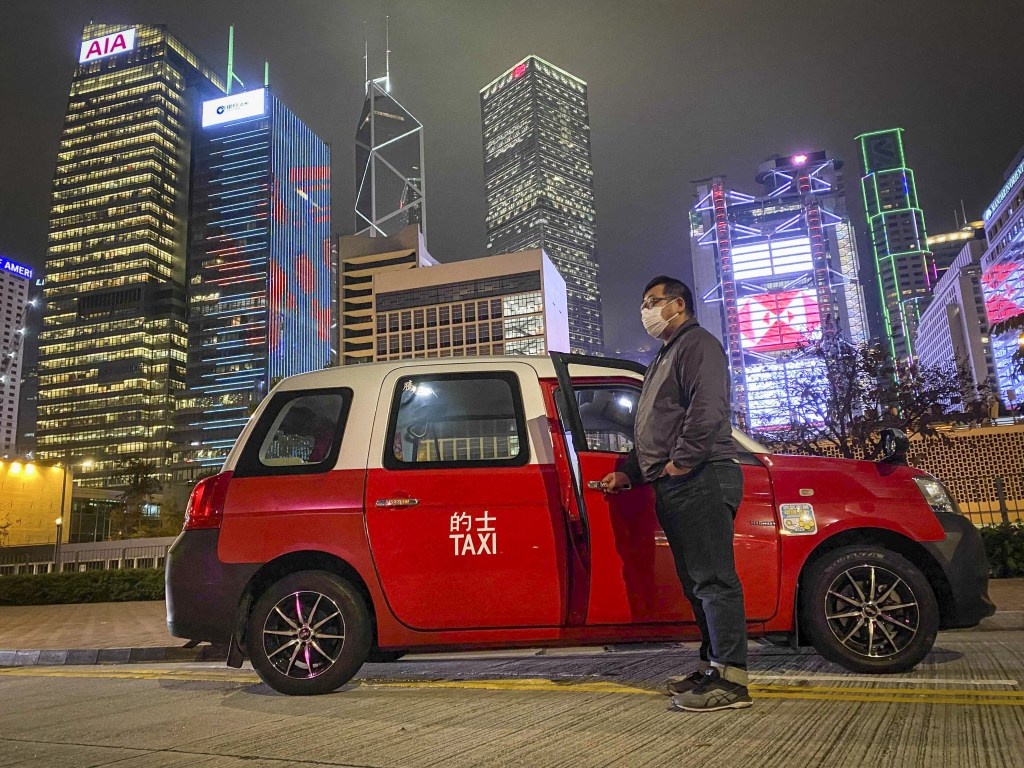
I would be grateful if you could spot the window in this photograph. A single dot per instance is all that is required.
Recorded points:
(457, 420)
(608, 414)
(299, 433)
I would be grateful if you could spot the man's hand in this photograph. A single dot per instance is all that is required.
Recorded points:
(614, 482)
(673, 471)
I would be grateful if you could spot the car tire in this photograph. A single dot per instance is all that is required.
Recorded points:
(869, 609)
(308, 633)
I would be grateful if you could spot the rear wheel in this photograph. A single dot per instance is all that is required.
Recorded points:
(308, 633)
(869, 609)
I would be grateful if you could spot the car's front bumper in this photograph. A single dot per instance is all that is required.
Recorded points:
(961, 557)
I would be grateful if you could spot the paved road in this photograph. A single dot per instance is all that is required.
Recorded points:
(963, 707)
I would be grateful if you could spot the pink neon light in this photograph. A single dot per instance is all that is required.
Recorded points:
(519, 71)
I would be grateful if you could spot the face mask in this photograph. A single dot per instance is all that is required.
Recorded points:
(653, 322)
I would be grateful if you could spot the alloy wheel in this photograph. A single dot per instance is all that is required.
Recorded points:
(872, 611)
(304, 634)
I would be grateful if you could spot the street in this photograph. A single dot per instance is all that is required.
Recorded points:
(575, 707)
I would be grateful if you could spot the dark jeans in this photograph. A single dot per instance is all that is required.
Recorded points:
(697, 513)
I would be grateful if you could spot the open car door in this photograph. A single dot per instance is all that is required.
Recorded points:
(632, 572)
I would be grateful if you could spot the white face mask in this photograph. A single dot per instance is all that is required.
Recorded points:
(653, 322)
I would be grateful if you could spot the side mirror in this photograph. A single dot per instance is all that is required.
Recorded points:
(895, 446)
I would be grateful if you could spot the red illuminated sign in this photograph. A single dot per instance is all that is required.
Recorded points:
(772, 322)
(519, 71)
(108, 45)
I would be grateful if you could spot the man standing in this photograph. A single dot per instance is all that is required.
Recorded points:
(683, 446)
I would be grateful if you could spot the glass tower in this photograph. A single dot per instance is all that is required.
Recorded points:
(390, 187)
(774, 274)
(540, 182)
(112, 349)
(898, 237)
(259, 268)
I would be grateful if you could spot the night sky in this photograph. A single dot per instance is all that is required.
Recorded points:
(678, 91)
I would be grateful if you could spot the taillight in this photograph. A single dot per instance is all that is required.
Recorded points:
(206, 504)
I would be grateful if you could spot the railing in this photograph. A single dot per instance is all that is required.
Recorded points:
(105, 556)
(989, 500)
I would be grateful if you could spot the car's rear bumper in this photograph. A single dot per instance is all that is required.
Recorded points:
(961, 556)
(203, 593)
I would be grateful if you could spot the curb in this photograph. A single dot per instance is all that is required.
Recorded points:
(1002, 621)
(73, 656)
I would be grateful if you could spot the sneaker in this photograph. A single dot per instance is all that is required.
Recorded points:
(680, 684)
(712, 693)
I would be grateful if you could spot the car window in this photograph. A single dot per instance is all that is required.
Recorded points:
(608, 414)
(454, 420)
(299, 432)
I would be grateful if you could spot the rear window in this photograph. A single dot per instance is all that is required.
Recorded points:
(298, 433)
(457, 420)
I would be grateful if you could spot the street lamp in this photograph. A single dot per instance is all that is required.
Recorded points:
(56, 547)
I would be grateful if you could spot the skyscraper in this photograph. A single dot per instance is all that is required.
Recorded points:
(259, 267)
(898, 237)
(773, 273)
(540, 182)
(390, 184)
(14, 285)
(112, 349)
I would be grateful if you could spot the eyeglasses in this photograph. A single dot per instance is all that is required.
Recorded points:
(650, 302)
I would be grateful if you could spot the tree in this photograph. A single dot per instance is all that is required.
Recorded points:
(849, 393)
(137, 494)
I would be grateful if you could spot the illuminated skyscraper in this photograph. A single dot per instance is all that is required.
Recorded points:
(898, 237)
(112, 349)
(14, 286)
(390, 187)
(772, 274)
(259, 268)
(540, 182)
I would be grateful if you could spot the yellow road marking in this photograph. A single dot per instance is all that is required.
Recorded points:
(795, 692)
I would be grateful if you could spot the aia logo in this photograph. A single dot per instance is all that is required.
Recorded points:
(108, 45)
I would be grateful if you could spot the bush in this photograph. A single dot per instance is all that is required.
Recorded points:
(85, 587)
(1004, 545)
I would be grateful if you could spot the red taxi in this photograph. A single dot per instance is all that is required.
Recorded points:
(450, 504)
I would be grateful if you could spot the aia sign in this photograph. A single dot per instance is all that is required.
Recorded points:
(117, 42)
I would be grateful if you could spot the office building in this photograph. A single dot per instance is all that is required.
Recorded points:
(360, 258)
(15, 280)
(1003, 281)
(946, 247)
(540, 182)
(391, 188)
(954, 327)
(774, 272)
(112, 349)
(259, 267)
(513, 304)
(899, 240)
(28, 400)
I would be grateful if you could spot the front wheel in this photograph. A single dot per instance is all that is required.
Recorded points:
(308, 633)
(869, 609)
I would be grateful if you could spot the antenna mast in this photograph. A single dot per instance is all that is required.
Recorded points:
(387, 54)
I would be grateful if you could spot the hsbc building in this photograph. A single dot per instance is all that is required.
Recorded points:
(773, 272)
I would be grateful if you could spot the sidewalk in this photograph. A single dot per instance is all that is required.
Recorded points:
(122, 632)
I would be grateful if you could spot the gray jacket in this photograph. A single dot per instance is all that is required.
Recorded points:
(684, 413)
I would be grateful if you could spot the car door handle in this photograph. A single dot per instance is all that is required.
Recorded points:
(397, 502)
(595, 485)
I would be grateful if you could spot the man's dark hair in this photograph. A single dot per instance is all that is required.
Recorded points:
(675, 288)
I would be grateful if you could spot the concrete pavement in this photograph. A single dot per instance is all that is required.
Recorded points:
(98, 632)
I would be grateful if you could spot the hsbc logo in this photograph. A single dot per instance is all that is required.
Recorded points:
(108, 45)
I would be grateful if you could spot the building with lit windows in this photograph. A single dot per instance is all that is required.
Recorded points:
(540, 182)
(15, 279)
(899, 240)
(1003, 280)
(514, 304)
(112, 349)
(772, 273)
(954, 327)
(360, 257)
(946, 247)
(391, 190)
(259, 268)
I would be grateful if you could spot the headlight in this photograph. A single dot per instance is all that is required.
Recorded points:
(936, 495)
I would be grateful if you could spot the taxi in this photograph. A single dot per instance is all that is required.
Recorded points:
(455, 504)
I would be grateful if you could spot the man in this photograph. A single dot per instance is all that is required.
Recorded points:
(683, 446)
